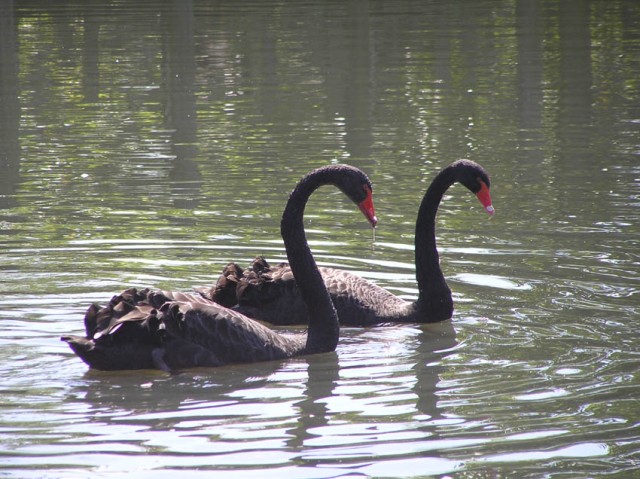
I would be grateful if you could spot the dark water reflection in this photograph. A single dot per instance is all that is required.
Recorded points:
(149, 145)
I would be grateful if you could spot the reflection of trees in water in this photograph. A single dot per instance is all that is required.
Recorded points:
(9, 105)
(281, 79)
(178, 82)
(179, 73)
(529, 84)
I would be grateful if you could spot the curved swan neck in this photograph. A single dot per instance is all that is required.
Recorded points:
(323, 330)
(431, 281)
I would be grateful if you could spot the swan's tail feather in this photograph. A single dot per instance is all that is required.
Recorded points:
(230, 285)
(224, 291)
(111, 357)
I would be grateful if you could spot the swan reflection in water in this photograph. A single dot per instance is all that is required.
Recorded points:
(344, 399)
(330, 404)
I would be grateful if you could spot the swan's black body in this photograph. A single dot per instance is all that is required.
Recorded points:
(169, 331)
(271, 293)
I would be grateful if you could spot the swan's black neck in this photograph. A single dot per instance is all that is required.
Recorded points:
(323, 330)
(434, 298)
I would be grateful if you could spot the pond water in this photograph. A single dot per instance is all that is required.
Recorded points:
(148, 145)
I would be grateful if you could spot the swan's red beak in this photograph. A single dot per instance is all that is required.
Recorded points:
(366, 206)
(485, 198)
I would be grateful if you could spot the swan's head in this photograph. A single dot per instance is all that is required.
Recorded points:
(476, 179)
(356, 185)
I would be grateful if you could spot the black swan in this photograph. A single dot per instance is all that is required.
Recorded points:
(269, 293)
(169, 331)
